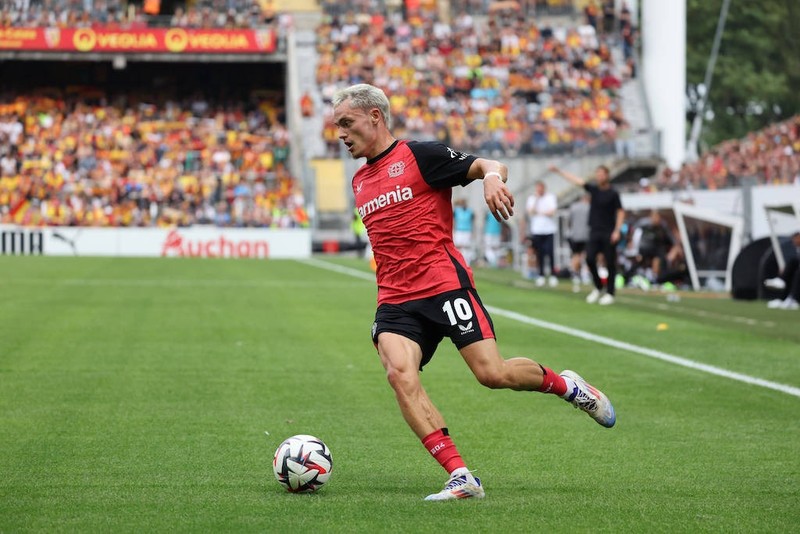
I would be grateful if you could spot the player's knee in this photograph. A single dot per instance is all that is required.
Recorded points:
(401, 380)
(491, 378)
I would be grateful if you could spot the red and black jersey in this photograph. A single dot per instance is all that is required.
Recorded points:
(404, 198)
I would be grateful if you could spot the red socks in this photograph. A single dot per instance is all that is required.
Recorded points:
(443, 450)
(552, 382)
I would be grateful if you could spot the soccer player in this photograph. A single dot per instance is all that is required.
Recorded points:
(425, 289)
(605, 224)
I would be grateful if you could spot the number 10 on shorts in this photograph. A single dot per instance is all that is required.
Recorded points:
(458, 307)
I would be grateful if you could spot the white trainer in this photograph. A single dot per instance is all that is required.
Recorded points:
(552, 281)
(775, 283)
(790, 304)
(592, 297)
(775, 304)
(576, 284)
(591, 400)
(459, 486)
(540, 281)
(606, 300)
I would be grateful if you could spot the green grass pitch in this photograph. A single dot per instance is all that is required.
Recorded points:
(148, 395)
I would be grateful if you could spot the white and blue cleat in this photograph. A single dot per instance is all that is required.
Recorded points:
(459, 486)
(591, 400)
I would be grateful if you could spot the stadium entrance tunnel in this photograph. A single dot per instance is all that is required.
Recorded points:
(169, 80)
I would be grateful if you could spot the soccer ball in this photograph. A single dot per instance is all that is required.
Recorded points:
(302, 464)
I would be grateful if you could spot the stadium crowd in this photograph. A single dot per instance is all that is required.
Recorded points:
(92, 159)
(509, 85)
(502, 84)
(89, 13)
(771, 155)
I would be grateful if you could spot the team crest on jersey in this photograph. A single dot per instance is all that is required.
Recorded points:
(396, 169)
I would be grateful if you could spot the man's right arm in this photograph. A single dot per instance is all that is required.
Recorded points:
(577, 180)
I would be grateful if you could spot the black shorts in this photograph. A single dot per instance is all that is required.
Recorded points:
(577, 247)
(457, 314)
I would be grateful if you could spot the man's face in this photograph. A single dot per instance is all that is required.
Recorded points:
(601, 176)
(357, 129)
(539, 189)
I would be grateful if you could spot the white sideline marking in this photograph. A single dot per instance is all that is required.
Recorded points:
(588, 336)
(340, 269)
(169, 283)
(644, 351)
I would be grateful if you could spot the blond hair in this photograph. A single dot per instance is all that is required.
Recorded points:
(366, 97)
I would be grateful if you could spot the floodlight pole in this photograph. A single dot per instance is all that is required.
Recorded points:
(692, 152)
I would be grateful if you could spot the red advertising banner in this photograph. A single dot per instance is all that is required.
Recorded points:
(152, 40)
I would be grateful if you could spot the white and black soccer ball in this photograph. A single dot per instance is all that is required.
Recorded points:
(302, 464)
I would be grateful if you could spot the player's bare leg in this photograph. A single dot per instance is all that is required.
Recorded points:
(401, 358)
(491, 370)
(524, 374)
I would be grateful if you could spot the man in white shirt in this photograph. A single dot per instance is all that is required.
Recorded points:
(541, 209)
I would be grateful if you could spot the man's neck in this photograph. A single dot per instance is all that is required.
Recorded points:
(382, 146)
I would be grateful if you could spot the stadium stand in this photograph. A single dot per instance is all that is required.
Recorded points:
(503, 83)
(106, 149)
(110, 13)
(771, 155)
(500, 80)
(88, 158)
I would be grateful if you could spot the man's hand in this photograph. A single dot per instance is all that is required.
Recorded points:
(498, 197)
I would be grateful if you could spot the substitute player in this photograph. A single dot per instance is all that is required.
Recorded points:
(425, 289)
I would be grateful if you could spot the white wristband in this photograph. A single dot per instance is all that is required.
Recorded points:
(494, 173)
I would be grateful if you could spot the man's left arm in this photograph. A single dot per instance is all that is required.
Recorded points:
(495, 191)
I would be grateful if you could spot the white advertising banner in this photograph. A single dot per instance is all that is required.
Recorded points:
(204, 242)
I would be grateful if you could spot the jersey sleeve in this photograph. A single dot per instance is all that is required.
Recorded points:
(440, 165)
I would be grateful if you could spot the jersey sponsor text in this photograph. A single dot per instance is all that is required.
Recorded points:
(392, 197)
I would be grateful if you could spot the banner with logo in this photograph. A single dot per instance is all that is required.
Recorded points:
(201, 242)
(151, 40)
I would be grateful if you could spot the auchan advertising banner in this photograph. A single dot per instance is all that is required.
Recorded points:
(151, 40)
(195, 242)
